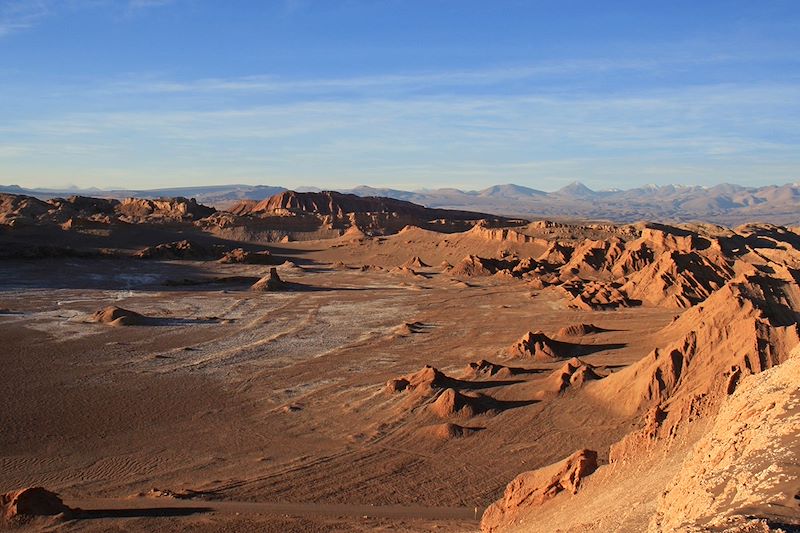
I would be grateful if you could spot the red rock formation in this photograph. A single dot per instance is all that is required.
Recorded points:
(579, 330)
(573, 374)
(415, 262)
(451, 403)
(483, 369)
(170, 209)
(427, 379)
(270, 282)
(184, 249)
(339, 205)
(240, 255)
(22, 504)
(677, 280)
(117, 316)
(539, 347)
(531, 489)
(746, 464)
(746, 327)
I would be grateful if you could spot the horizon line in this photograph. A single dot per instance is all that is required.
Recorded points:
(314, 188)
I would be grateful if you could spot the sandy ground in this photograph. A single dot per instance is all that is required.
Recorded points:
(268, 411)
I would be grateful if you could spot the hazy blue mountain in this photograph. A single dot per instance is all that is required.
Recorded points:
(576, 189)
(510, 190)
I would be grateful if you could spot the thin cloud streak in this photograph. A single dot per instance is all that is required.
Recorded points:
(658, 115)
(144, 4)
(419, 80)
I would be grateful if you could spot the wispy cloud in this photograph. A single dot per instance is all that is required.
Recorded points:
(137, 4)
(683, 134)
(16, 15)
(19, 15)
(294, 6)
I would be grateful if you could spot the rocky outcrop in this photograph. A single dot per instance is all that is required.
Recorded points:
(539, 347)
(270, 283)
(165, 209)
(24, 504)
(531, 489)
(426, 379)
(636, 256)
(556, 253)
(415, 262)
(662, 238)
(503, 234)
(579, 330)
(592, 259)
(117, 316)
(572, 375)
(452, 403)
(596, 295)
(677, 280)
(84, 211)
(185, 249)
(474, 266)
(240, 255)
(338, 206)
(18, 210)
(485, 369)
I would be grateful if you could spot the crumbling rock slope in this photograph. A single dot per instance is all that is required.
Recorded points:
(747, 464)
(531, 489)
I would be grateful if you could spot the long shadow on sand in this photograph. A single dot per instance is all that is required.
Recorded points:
(145, 512)
(101, 274)
(128, 275)
(573, 349)
(487, 404)
(292, 286)
(505, 405)
(588, 349)
(478, 385)
(155, 321)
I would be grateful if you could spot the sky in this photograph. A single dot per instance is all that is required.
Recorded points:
(392, 93)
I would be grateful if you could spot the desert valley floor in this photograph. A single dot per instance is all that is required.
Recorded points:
(280, 396)
(166, 394)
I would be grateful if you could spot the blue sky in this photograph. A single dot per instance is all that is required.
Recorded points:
(408, 94)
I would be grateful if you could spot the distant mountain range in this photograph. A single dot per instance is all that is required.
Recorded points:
(725, 204)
